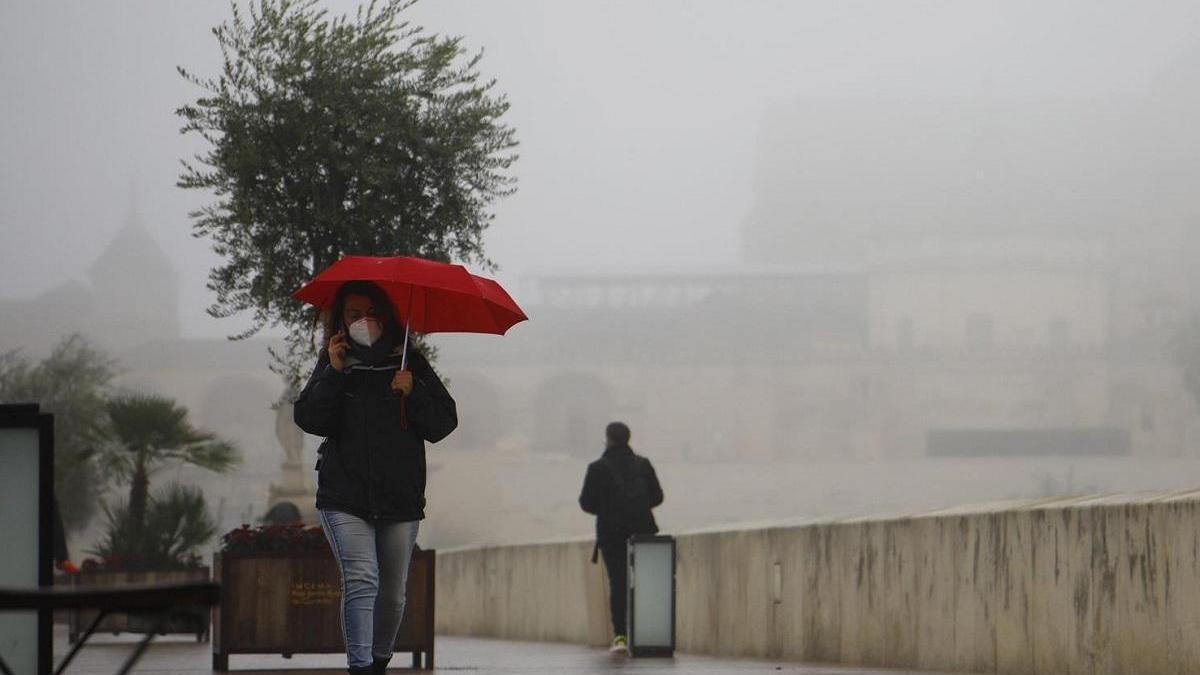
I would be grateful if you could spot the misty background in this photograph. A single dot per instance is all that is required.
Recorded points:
(824, 257)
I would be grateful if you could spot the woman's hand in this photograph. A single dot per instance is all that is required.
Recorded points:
(338, 346)
(402, 382)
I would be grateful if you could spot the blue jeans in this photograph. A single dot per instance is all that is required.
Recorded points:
(373, 560)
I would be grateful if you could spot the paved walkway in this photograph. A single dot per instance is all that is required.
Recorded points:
(178, 656)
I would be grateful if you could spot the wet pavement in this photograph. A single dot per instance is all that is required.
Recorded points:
(472, 656)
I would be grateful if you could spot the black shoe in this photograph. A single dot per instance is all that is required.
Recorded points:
(380, 666)
(361, 670)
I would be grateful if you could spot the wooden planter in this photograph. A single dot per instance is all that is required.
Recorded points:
(290, 603)
(79, 620)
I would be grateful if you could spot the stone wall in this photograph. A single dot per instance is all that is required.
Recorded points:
(541, 592)
(1089, 585)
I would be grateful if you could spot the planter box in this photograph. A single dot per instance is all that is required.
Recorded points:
(79, 620)
(290, 603)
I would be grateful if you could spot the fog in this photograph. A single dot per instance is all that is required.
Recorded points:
(793, 244)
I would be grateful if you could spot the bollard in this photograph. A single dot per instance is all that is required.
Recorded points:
(651, 606)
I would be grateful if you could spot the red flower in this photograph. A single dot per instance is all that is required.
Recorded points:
(291, 537)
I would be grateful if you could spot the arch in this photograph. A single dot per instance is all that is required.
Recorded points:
(571, 411)
(481, 418)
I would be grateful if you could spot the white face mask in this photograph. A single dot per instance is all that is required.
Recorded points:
(365, 331)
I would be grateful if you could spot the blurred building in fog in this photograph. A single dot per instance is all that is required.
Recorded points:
(935, 373)
(129, 296)
(921, 277)
(773, 364)
(127, 305)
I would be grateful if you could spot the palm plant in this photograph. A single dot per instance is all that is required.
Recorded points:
(177, 523)
(152, 432)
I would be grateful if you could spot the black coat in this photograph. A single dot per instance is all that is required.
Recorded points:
(369, 465)
(600, 490)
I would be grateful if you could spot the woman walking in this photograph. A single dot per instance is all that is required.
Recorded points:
(376, 416)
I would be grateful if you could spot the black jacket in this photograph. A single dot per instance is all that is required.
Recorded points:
(600, 489)
(368, 465)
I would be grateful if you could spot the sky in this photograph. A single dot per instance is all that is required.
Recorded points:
(639, 122)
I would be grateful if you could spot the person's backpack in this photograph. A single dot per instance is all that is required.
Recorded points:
(631, 498)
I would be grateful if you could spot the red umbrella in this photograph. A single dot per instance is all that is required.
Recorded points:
(428, 296)
(503, 308)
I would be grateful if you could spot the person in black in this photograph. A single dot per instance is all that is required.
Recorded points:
(376, 409)
(620, 489)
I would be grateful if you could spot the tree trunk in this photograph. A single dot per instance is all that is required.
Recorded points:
(138, 494)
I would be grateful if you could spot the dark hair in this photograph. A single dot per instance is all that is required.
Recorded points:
(617, 433)
(379, 300)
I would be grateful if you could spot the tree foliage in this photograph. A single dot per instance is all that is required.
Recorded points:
(338, 135)
(71, 383)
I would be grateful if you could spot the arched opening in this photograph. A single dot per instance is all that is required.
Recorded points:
(571, 412)
(480, 416)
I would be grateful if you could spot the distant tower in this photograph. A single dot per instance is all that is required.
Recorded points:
(135, 289)
(796, 218)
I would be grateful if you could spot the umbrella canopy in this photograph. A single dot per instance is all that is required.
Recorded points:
(428, 296)
(503, 308)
